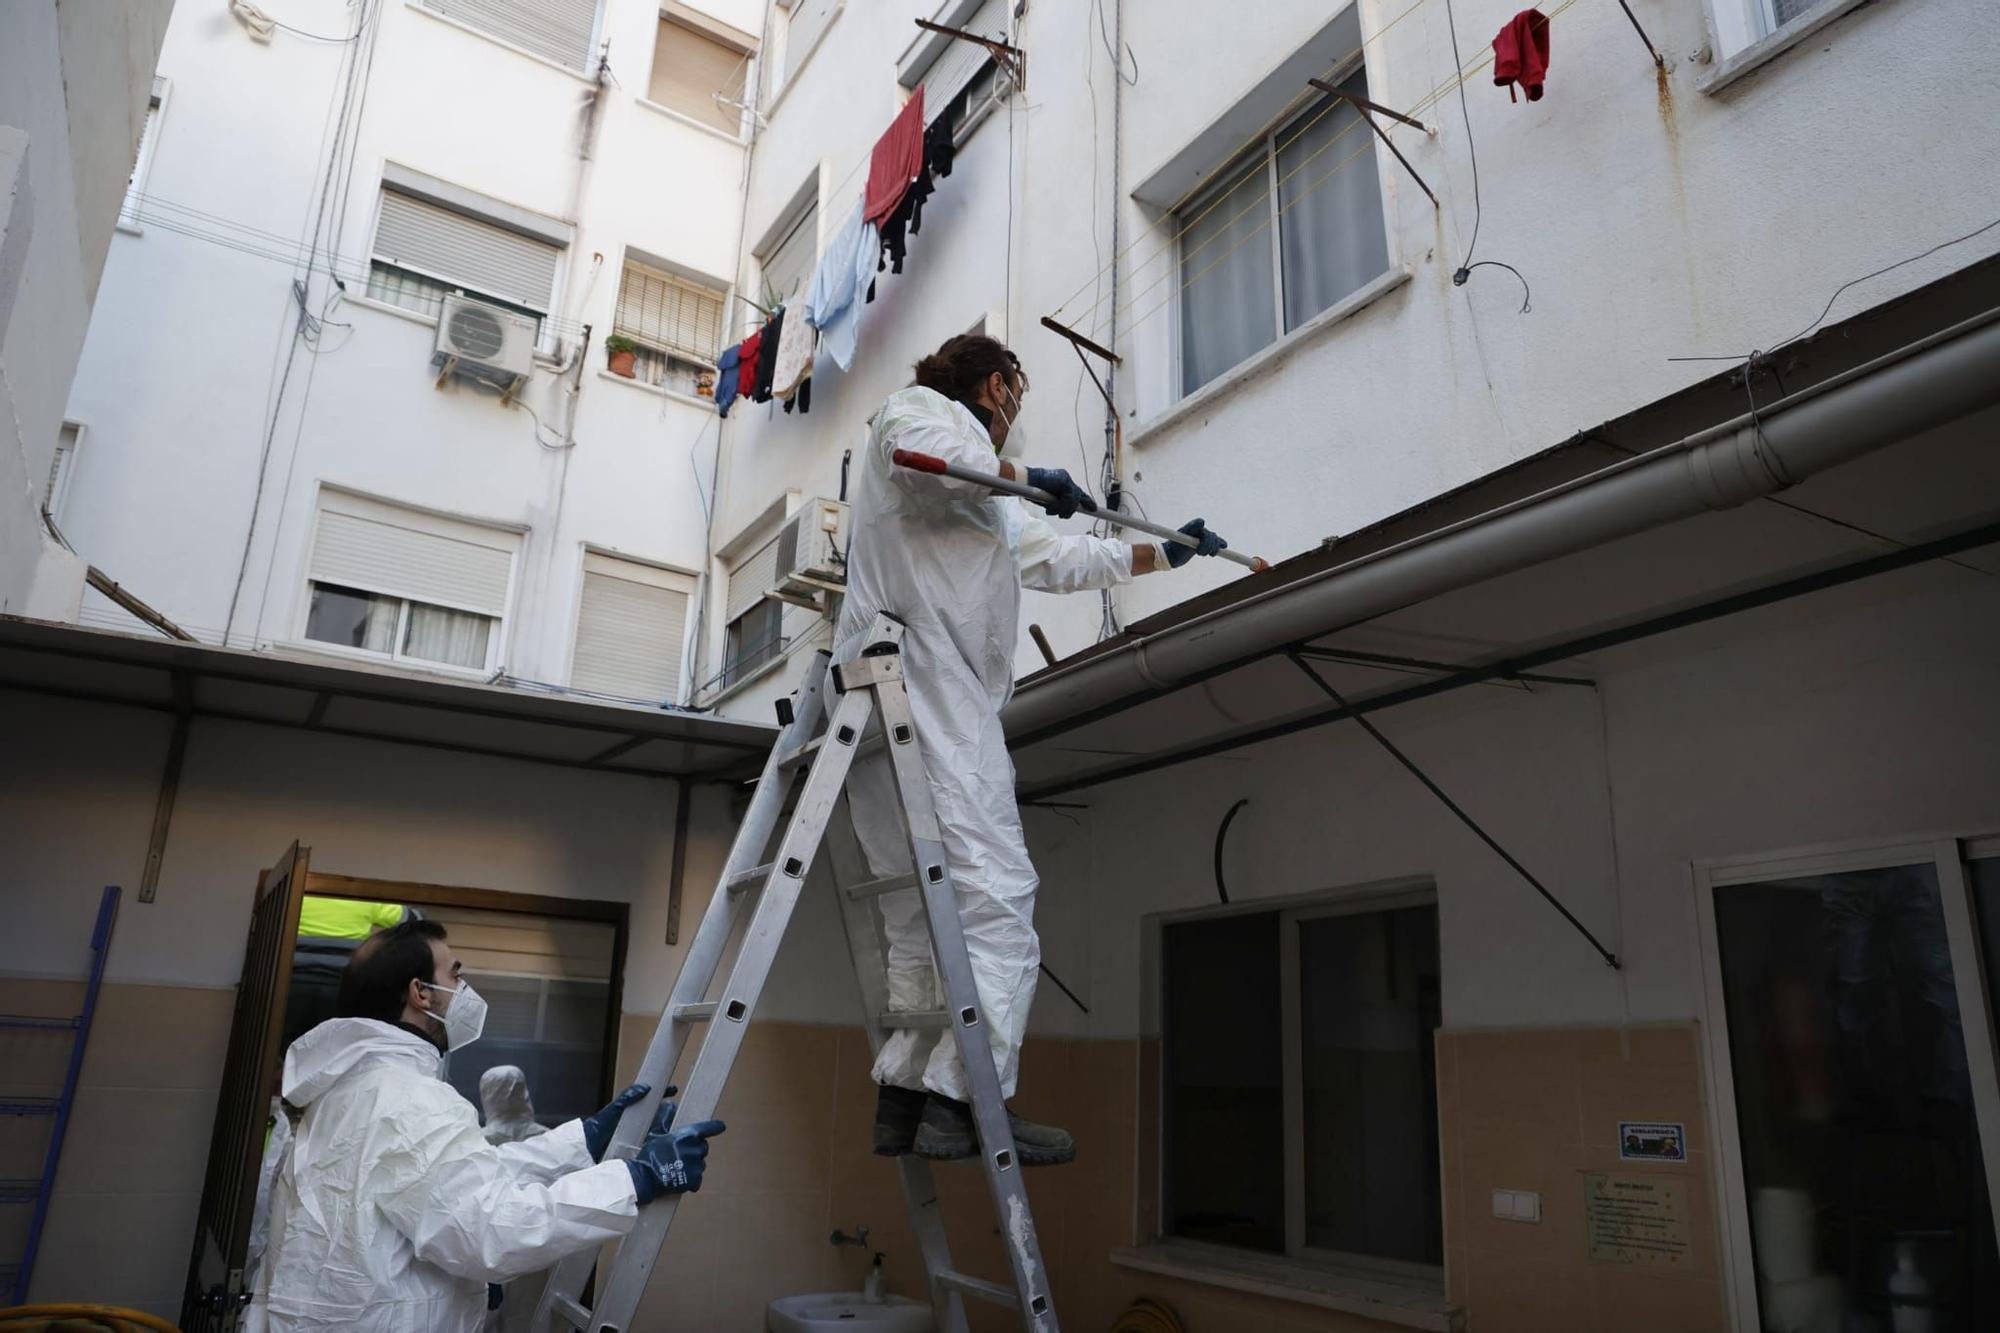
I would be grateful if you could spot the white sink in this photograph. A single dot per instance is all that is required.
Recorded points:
(835, 1310)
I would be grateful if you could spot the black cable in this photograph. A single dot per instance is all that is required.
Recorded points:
(1610, 958)
(1458, 64)
(1064, 989)
(1458, 278)
(1221, 834)
(1117, 62)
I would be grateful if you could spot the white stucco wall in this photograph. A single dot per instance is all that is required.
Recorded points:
(1652, 220)
(74, 79)
(192, 336)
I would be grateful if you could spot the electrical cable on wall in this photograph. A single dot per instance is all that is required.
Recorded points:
(1464, 271)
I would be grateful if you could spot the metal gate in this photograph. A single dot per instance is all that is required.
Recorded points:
(216, 1292)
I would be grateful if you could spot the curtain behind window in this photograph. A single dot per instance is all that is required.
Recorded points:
(1331, 237)
(1227, 299)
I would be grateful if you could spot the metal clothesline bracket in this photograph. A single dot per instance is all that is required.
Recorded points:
(1362, 107)
(1658, 59)
(1085, 345)
(1012, 59)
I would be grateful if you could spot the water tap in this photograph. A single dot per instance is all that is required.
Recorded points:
(859, 1239)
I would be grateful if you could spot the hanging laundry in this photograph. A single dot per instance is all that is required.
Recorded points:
(833, 304)
(802, 398)
(897, 159)
(908, 218)
(1521, 54)
(767, 355)
(728, 368)
(792, 364)
(746, 365)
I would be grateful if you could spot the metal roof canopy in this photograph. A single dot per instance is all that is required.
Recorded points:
(365, 702)
(1924, 508)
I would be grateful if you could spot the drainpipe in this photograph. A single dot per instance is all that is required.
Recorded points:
(1929, 383)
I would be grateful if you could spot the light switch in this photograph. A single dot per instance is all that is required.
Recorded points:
(1503, 1203)
(1517, 1205)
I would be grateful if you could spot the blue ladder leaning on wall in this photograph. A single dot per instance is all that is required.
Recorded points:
(32, 1191)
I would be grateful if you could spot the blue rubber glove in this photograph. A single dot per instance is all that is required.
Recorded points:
(1068, 497)
(598, 1129)
(1210, 543)
(672, 1163)
(495, 1293)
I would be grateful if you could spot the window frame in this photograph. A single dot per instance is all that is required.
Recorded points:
(62, 470)
(496, 641)
(1291, 911)
(674, 14)
(130, 219)
(1948, 854)
(677, 575)
(1268, 147)
(590, 49)
(699, 361)
(779, 64)
(801, 211)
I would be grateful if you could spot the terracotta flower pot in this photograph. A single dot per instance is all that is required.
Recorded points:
(622, 363)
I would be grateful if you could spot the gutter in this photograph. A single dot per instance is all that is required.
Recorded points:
(1928, 383)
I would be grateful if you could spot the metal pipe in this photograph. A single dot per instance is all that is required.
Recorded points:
(1927, 384)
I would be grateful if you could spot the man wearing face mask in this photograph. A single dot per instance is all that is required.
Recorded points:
(393, 1213)
(949, 559)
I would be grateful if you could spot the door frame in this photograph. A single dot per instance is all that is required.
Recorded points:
(1948, 854)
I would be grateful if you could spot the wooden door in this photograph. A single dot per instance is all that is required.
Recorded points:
(216, 1291)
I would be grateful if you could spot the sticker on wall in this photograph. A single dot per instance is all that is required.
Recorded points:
(1635, 1219)
(1652, 1141)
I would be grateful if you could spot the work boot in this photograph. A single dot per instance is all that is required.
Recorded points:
(948, 1134)
(897, 1111)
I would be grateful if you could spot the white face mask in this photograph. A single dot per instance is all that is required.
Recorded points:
(464, 1017)
(1013, 419)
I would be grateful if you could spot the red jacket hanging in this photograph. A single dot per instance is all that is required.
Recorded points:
(896, 161)
(1521, 54)
(746, 374)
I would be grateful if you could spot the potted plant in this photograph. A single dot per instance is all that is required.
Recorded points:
(623, 354)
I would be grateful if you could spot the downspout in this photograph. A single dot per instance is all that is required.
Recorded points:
(1929, 383)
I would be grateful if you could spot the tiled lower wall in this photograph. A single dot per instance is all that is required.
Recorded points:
(130, 1182)
(1538, 1110)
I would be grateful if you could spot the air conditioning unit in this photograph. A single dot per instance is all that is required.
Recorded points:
(811, 563)
(484, 342)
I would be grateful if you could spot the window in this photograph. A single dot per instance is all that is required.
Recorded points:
(61, 467)
(951, 70)
(676, 323)
(426, 248)
(629, 629)
(132, 210)
(787, 265)
(1282, 235)
(1855, 1082)
(405, 585)
(755, 633)
(806, 21)
(558, 30)
(699, 67)
(1299, 1041)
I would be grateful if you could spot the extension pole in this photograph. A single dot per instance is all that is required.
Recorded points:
(915, 461)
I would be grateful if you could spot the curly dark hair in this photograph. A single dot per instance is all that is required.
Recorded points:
(958, 368)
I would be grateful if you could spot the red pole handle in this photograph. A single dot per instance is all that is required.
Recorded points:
(910, 458)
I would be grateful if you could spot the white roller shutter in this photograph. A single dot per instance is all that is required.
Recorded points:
(789, 266)
(960, 61)
(802, 32)
(379, 548)
(629, 629)
(557, 30)
(751, 578)
(417, 234)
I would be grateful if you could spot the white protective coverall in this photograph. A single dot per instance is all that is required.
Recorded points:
(394, 1212)
(509, 1111)
(949, 558)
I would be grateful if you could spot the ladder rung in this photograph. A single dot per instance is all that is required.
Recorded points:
(749, 879)
(802, 754)
(980, 1287)
(874, 887)
(568, 1309)
(916, 1019)
(694, 1013)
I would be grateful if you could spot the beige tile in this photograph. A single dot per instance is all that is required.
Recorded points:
(159, 1037)
(1633, 1301)
(1510, 1296)
(1520, 1078)
(1551, 1170)
(769, 1243)
(122, 1136)
(115, 1249)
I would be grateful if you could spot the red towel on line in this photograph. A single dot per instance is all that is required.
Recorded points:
(746, 353)
(1521, 54)
(898, 157)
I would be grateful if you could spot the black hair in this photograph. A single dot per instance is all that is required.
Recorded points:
(958, 368)
(380, 972)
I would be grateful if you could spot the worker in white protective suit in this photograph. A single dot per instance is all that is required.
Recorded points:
(392, 1213)
(508, 1109)
(949, 559)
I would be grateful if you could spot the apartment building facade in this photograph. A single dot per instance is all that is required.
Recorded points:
(1335, 1063)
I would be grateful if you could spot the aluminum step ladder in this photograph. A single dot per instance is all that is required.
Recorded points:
(34, 1191)
(827, 723)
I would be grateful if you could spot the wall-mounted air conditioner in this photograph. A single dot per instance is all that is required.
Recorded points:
(812, 555)
(484, 342)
